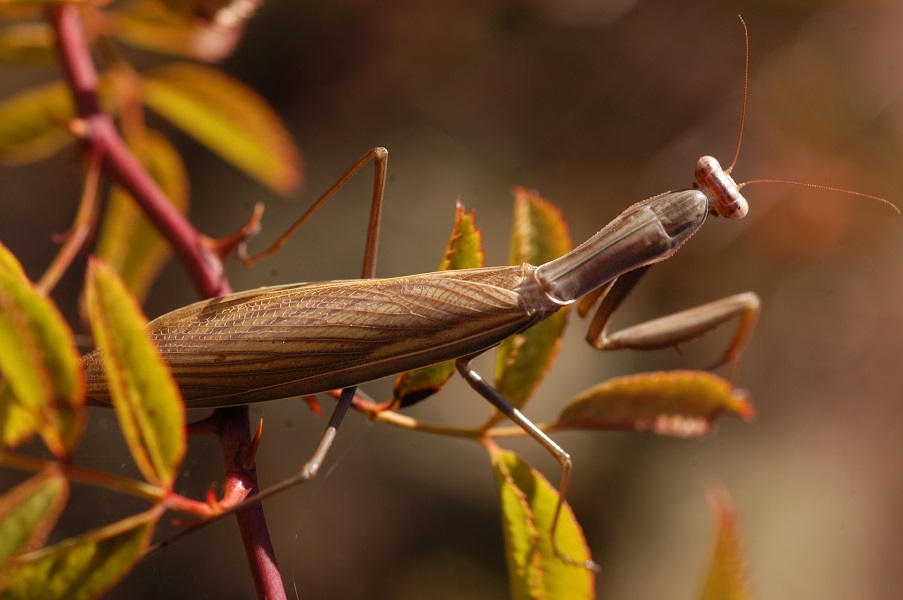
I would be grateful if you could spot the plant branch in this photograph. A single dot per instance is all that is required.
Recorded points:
(241, 482)
(76, 238)
(203, 267)
(205, 270)
(142, 490)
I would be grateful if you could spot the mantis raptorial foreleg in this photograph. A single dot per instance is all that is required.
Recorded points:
(670, 330)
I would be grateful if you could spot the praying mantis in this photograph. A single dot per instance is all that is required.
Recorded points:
(302, 339)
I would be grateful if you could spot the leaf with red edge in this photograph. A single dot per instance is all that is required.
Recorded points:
(528, 504)
(463, 251)
(223, 11)
(84, 567)
(128, 241)
(150, 26)
(539, 235)
(726, 578)
(229, 118)
(32, 123)
(678, 403)
(144, 394)
(43, 387)
(29, 511)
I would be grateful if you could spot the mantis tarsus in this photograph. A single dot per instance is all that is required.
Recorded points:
(302, 339)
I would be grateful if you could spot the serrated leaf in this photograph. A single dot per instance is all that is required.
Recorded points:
(40, 364)
(229, 118)
(29, 511)
(678, 403)
(539, 235)
(27, 43)
(144, 395)
(128, 241)
(528, 504)
(84, 567)
(32, 123)
(465, 246)
(463, 251)
(151, 26)
(726, 578)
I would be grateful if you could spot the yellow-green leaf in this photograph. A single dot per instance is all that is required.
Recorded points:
(32, 123)
(147, 401)
(16, 423)
(678, 403)
(465, 247)
(151, 26)
(539, 235)
(44, 387)
(726, 578)
(229, 118)
(463, 251)
(29, 511)
(528, 504)
(27, 43)
(81, 568)
(128, 241)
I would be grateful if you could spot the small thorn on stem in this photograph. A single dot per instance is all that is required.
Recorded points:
(212, 500)
(79, 128)
(251, 452)
(314, 405)
(236, 242)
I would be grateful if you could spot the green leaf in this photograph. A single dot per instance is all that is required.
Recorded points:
(678, 403)
(32, 123)
(539, 233)
(29, 511)
(151, 26)
(84, 567)
(463, 251)
(147, 401)
(465, 246)
(528, 504)
(128, 241)
(229, 118)
(726, 579)
(538, 236)
(41, 366)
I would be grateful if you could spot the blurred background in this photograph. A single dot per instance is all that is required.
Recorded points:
(597, 105)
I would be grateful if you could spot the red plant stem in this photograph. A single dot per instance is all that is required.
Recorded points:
(241, 482)
(204, 268)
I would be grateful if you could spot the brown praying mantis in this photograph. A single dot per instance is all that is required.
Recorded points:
(308, 338)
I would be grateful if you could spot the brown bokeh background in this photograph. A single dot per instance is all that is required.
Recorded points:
(598, 105)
